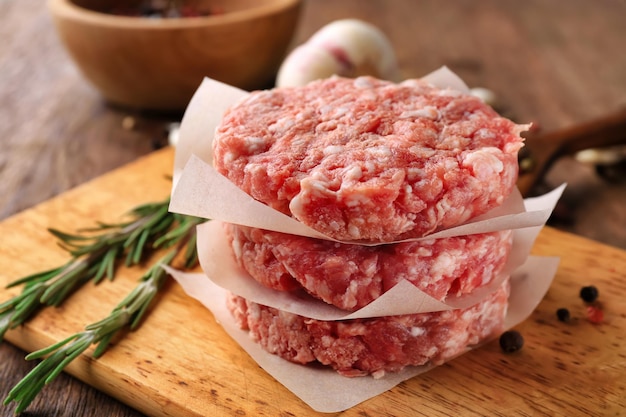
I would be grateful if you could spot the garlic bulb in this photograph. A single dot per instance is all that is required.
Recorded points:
(348, 48)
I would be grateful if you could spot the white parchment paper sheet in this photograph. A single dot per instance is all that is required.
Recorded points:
(323, 389)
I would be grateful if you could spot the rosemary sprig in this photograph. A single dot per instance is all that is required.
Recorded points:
(128, 313)
(95, 254)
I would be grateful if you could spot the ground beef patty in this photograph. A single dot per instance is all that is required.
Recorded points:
(372, 346)
(365, 159)
(351, 276)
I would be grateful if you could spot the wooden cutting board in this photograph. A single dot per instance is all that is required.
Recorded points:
(181, 363)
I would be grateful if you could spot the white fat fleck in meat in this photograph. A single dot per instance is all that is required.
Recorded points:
(424, 252)
(453, 142)
(484, 134)
(333, 149)
(428, 188)
(254, 144)
(255, 169)
(351, 294)
(327, 341)
(428, 112)
(355, 200)
(380, 153)
(370, 267)
(455, 342)
(354, 231)
(308, 278)
(442, 206)
(254, 311)
(334, 225)
(352, 173)
(281, 125)
(229, 157)
(445, 264)
(317, 185)
(352, 329)
(484, 162)
(334, 112)
(487, 275)
(369, 166)
(319, 188)
(363, 82)
(451, 166)
(302, 116)
(417, 331)
(420, 152)
(413, 174)
(297, 204)
(378, 374)
(327, 126)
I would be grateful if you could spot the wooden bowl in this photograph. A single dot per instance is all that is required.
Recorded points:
(157, 64)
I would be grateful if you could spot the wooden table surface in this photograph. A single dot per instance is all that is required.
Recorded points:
(553, 63)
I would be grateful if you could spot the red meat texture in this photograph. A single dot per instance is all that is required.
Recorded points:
(369, 160)
(372, 346)
(351, 276)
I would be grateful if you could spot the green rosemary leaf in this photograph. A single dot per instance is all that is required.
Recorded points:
(65, 282)
(103, 345)
(191, 254)
(66, 237)
(95, 253)
(106, 266)
(49, 349)
(127, 314)
(23, 307)
(37, 277)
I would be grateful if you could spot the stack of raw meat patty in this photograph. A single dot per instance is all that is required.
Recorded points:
(370, 163)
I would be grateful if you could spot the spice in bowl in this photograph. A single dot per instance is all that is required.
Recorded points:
(163, 9)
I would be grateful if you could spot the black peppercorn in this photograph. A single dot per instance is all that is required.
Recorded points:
(562, 314)
(589, 294)
(511, 341)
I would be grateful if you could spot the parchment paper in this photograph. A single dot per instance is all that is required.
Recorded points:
(323, 389)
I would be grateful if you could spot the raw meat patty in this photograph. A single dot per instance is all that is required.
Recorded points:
(351, 276)
(369, 160)
(372, 346)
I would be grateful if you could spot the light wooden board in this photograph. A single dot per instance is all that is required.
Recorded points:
(181, 363)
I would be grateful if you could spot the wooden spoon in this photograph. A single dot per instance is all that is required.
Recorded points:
(542, 150)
